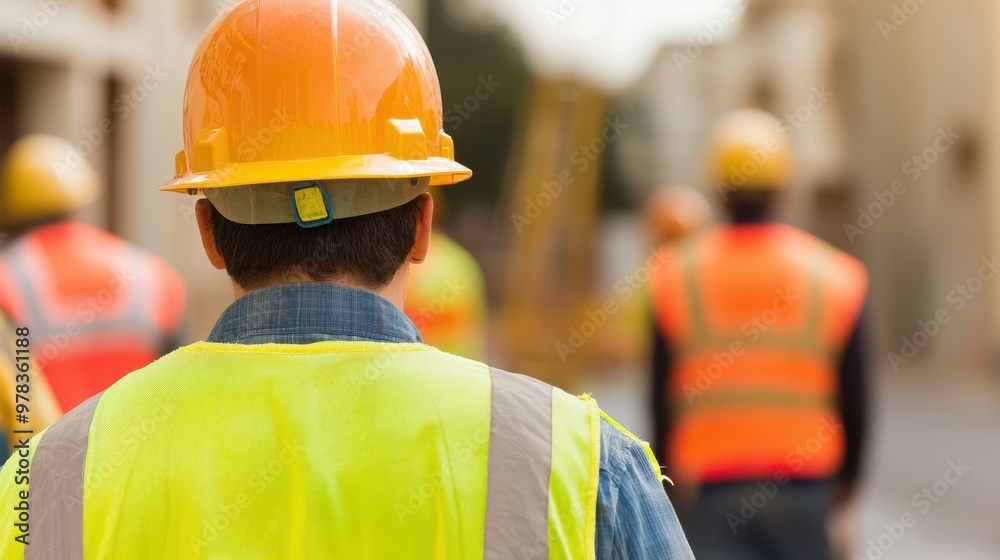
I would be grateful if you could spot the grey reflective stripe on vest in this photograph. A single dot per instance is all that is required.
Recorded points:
(135, 320)
(520, 465)
(56, 487)
(704, 338)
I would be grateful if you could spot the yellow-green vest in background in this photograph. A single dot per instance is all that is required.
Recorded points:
(330, 450)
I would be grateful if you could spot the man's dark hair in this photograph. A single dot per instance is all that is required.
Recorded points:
(367, 249)
(750, 205)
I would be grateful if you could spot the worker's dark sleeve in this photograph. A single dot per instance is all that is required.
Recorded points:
(855, 382)
(663, 363)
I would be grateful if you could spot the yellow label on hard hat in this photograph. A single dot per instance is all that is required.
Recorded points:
(311, 205)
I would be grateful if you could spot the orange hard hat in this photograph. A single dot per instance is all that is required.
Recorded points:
(312, 90)
(674, 211)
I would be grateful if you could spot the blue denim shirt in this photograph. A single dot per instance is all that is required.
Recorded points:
(635, 519)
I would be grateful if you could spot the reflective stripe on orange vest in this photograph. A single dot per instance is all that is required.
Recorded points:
(759, 318)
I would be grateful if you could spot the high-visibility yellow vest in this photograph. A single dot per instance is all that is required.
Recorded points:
(329, 450)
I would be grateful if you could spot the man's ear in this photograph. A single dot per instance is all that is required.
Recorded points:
(203, 211)
(425, 219)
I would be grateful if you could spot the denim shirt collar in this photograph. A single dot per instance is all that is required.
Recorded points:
(312, 312)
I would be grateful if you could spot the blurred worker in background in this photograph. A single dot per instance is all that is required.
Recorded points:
(314, 423)
(446, 297)
(27, 405)
(97, 306)
(673, 212)
(668, 215)
(624, 349)
(762, 363)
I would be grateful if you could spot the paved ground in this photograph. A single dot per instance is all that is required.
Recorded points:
(928, 423)
(928, 430)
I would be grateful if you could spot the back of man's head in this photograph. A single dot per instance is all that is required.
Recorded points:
(315, 134)
(364, 250)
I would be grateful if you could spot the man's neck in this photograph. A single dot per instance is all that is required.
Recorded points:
(394, 291)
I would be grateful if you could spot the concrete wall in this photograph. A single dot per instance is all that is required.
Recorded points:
(914, 75)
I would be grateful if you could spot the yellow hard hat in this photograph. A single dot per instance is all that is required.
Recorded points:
(288, 91)
(44, 177)
(750, 150)
(675, 211)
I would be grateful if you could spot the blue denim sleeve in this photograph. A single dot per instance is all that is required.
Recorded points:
(635, 519)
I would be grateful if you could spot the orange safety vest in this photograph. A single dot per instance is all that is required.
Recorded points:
(759, 317)
(97, 307)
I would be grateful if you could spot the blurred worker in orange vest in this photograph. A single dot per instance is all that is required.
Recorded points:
(446, 299)
(761, 363)
(669, 214)
(624, 348)
(27, 405)
(97, 306)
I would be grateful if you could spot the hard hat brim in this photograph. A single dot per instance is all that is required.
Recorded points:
(440, 170)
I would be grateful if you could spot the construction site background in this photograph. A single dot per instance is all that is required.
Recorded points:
(893, 109)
